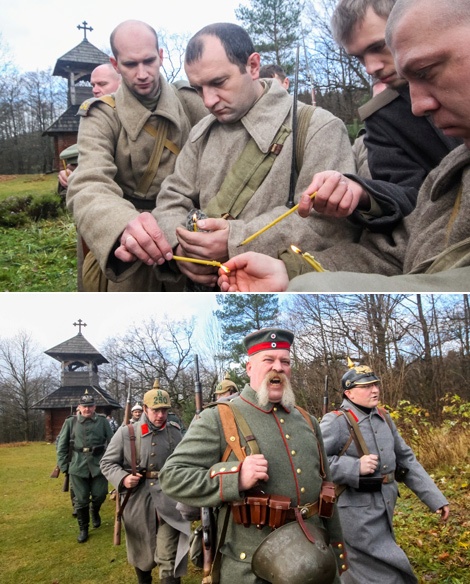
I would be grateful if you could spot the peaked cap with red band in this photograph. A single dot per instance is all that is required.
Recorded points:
(267, 340)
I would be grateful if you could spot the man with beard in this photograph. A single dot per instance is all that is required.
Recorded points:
(156, 533)
(286, 462)
(368, 471)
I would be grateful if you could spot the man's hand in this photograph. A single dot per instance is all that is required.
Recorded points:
(253, 469)
(212, 245)
(206, 275)
(143, 240)
(253, 272)
(131, 481)
(337, 196)
(444, 512)
(368, 463)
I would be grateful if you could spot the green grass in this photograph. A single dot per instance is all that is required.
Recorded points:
(38, 256)
(38, 534)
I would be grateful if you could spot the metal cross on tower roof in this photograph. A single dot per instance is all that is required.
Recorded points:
(80, 324)
(84, 27)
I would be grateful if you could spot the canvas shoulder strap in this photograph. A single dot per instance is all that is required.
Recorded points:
(230, 416)
(355, 433)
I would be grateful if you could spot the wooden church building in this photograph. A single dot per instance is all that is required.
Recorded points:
(76, 66)
(79, 361)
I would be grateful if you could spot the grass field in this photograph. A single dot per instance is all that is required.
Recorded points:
(38, 534)
(39, 256)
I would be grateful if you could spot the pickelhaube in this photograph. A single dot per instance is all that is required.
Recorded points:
(358, 375)
(286, 555)
(157, 398)
(268, 339)
(225, 385)
(87, 399)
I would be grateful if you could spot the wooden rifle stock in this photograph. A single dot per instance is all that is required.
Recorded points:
(65, 486)
(55, 473)
(118, 512)
(207, 515)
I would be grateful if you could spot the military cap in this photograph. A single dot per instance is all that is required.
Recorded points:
(70, 154)
(268, 339)
(226, 385)
(137, 407)
(157, 398)
(87, 399)
(358, 375)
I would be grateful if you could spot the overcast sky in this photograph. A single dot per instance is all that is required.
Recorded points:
(49, 317)
(39, 32)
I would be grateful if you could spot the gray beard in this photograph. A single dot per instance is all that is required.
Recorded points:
(288, 397)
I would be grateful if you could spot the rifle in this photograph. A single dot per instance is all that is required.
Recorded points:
(207, 514)
(324, 409)
(293, 170)
(119, 507)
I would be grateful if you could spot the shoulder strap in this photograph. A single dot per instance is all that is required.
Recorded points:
(88, 103)
(304, 117)
(308, 419)
(356, 433)
(228, 414)
(245, 177)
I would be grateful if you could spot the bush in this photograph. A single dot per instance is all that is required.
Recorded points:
(17, 210)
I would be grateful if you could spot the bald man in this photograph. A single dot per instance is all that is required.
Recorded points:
(104, 80)
(127, 145)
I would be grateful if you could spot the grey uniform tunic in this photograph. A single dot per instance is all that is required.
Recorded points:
(366, 518)
(147, 502)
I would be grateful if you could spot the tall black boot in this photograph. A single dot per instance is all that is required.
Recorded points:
(95, 515)
(143, 577)
(83, 516)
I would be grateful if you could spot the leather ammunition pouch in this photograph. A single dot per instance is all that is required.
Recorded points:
(327, 499)
(400, 473)
(273, 510)
(369, 485)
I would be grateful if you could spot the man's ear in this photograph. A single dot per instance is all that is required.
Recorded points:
(114, 63)
(253, 65)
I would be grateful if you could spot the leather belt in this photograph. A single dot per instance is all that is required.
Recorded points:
(306, 511)
(92, 449)
(388, 478)
(152, 474)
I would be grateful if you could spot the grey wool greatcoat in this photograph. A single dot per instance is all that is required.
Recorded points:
(213, 148)
(114, 152)
(366, 518)
(148, 500)
(195, 475)
(428, 252)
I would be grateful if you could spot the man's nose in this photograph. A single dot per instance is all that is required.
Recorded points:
(210, 97)
(372, 64)
(141, 71)
(422, 102)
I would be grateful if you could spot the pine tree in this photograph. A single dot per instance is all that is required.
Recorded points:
(241, 314)
(274, 27)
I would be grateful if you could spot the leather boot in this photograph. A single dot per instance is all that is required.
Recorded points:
(170, 580)
(143, 577)
(83, 516)
(95, 516)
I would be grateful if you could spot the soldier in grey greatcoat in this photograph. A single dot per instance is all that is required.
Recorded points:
(289, 464)
(366, 505)
(82, 442)
(156, 534)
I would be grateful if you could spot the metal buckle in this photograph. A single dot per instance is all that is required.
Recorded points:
(86, 449)
(304, 512)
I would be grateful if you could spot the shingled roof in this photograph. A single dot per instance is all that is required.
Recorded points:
(84, 56)
(76, 348)
(69, 397)
(67, 122)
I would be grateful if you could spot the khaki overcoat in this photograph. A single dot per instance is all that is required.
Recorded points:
(114, 151)
(428, 252)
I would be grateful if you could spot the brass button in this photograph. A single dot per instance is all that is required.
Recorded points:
(151, 484)
(302, 489)
(341, 556)
(233, 469)
(293, 452)
(152, 454)
(232, 438)
(223, 469)
(344, 567)
(282, 420)
(274, 409)
(287, 436)
(299, 471)
(213, 473)
(242, 556)
(340, 546)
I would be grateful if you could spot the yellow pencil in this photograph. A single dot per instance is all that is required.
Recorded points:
(280, 218)
(202, 262)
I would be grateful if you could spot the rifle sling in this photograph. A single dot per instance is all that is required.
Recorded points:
(159, 133)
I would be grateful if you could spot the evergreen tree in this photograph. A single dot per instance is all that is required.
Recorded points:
(274, 27)
(241, 314)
